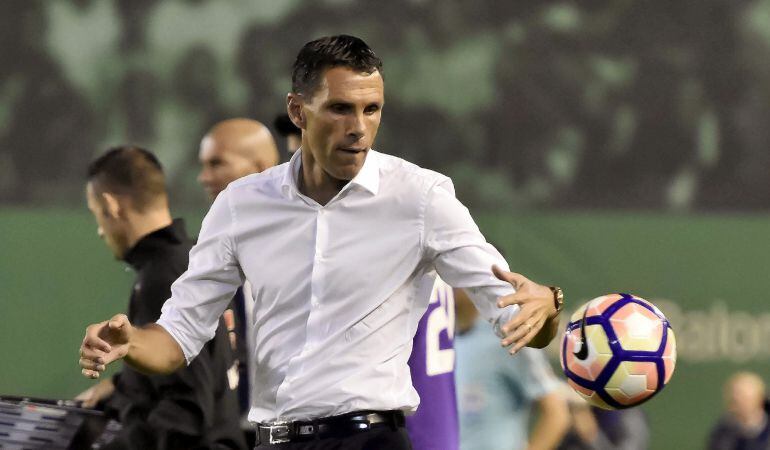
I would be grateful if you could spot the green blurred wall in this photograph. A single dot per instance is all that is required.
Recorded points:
(707, 273)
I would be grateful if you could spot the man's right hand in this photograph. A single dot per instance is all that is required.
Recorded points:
(104, 343)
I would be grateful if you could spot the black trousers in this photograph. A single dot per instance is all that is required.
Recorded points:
(382, 438)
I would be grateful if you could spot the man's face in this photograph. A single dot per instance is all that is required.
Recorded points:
(221, 166)
(341, 120)
(744, 397)
(109, 226)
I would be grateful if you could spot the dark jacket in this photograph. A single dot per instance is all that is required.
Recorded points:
(728, 434)
(193, 408)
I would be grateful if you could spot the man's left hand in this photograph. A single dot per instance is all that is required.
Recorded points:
(537, 310)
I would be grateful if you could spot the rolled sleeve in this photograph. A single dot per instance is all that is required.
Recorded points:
(462, 256)
(202, 293)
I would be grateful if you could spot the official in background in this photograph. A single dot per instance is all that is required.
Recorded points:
(192, 408)
(230, 150)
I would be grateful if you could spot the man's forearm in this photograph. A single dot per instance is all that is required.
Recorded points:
(552, 422)
(153, 350)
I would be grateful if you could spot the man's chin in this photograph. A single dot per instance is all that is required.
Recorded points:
(212, 194)
(346, 174)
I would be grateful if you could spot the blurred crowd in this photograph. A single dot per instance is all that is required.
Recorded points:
(651, 105)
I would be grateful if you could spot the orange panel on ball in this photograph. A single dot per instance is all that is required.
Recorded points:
(633, 382)
(600, 304)
(637, 328)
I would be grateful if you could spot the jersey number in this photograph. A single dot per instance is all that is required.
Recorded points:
(442, 318)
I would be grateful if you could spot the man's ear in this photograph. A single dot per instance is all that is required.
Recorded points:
(112, 205)
(294, 107)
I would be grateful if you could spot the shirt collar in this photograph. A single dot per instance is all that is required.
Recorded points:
(289, 180)
(143, 249)
(368, 177)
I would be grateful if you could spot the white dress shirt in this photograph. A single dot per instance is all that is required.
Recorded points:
(334, 286)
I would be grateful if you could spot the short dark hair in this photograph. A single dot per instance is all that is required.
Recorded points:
(285, 127)
(328, 52)
(131, 171)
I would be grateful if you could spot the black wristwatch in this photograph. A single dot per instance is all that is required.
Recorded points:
(558, 298)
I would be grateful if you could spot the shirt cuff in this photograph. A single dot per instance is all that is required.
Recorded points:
(507, 314)
(168, 325)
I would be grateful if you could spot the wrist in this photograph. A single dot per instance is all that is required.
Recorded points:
(130, 344)
(558, 301)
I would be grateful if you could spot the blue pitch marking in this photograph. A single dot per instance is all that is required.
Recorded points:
(619, 354)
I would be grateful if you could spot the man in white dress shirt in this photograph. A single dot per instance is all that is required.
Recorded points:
(333, 243)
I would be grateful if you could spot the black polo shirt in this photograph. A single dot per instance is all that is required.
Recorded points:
(193, 407)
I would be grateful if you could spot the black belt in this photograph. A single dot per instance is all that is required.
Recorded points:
(336, 426)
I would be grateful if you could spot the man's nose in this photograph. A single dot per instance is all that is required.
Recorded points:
(357, 127)
(203, 177)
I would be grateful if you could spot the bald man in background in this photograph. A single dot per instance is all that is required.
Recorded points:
(233, 149)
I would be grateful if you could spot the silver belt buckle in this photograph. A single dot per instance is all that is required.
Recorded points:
(279, 432)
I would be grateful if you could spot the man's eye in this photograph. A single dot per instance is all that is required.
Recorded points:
(372, 109)
(339, 108)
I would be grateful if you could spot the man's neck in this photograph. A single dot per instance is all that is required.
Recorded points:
(754, 422)
(142, 224)
(315, 183)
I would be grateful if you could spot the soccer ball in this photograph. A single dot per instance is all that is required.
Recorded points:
(618, 351)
